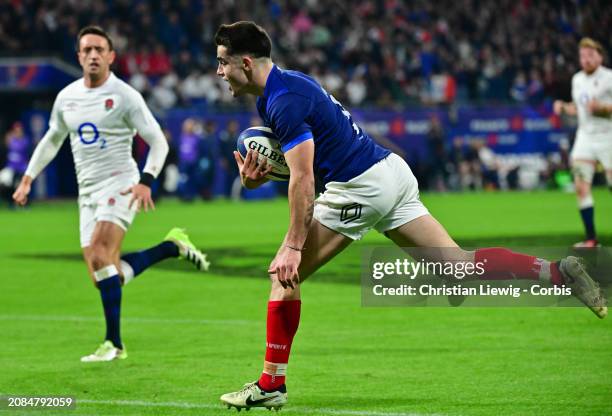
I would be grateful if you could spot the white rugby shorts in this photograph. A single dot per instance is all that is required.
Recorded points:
(593, 148)
(106, 204)
(383, 197)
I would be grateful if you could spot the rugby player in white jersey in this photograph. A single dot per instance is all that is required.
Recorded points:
(101, 114)
(592, 103)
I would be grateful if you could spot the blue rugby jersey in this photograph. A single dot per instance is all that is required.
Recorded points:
(297, 109)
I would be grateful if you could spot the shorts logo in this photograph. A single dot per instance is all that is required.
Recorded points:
(111, 202)
(108, 104)
(350, 213)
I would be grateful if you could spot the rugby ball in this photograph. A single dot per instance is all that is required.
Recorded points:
(265, 143)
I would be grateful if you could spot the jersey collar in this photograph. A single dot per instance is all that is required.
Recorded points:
(110, 79)
(595, 73)
(273, 82)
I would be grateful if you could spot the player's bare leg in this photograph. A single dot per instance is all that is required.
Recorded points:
(501, 263)
(321, 245)
(102, 256)
(88, 253)
(427, 232)
(583, 171)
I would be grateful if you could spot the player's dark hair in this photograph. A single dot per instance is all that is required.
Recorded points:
(244, 38)
(93, 30)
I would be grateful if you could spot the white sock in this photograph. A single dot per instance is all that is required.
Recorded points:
(127, 271)
(586, 202)
(544, 270)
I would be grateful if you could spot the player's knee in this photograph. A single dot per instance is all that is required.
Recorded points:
(583, 192)
(583, 174)
(98, 261)
(276, 286)
(100, 256)
(278, 292)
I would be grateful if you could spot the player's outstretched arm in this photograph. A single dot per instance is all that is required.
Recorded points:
(252, 174)
(20, 196)
(285, 265)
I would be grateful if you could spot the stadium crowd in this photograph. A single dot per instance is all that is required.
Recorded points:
(382, 53)
(200, 163)
(385, 52)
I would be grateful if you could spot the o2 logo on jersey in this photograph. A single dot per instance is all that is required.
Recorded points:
(584, 98)
(89, 134)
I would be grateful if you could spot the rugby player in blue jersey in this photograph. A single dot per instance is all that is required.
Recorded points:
(366, 186)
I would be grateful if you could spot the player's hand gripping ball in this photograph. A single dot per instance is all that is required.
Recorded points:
(268, 148)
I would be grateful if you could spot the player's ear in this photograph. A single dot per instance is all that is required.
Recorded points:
(112, 57)
(79, 58)
(247, 63)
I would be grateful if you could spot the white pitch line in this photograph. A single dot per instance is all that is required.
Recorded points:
(308, 410)
(142, 403)
(70, 318)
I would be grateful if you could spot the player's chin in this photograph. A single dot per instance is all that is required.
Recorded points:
(588, 68)
(235, 90)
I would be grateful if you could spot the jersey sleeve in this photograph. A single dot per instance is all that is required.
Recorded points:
(574, 89)
(56, 121)
(51, 142)
(287, 117)
(608, 88)
(140, 118)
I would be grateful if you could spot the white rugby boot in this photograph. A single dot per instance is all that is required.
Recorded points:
(251, 395)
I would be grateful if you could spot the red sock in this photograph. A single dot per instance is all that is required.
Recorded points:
(501, 264)
(283, 321)
(555, 275)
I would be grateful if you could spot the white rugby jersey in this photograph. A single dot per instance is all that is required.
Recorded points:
(597, 86)
(101, 123)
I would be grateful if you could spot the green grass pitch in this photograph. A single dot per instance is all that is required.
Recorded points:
(192, 337)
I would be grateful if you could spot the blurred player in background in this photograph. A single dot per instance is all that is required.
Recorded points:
(366, 186)
(227, 143)
(18, 149)
(101, 114)
(592, 103)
